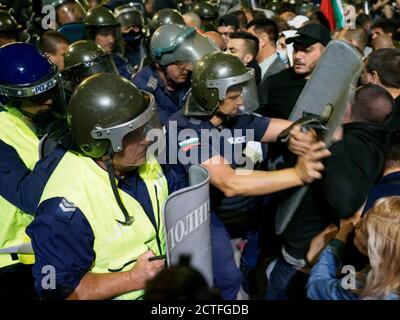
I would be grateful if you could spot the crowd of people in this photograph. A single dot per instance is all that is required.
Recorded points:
(86, 93)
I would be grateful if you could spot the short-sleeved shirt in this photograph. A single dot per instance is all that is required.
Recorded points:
(64, 239)
(195, 140)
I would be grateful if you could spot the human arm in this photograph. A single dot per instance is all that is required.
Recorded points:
(63, 239)
(253, 182)
(18, 184)
(97, 286)
(323, 283)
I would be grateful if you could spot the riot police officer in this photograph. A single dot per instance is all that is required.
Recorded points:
(33, 99)
(104, 28)
(103, 203)
(174, 49)
(132, 24)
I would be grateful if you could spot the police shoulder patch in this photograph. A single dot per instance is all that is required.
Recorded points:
(152, 83)
(66, 208)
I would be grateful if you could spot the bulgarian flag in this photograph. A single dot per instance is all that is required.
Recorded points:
(333, 11)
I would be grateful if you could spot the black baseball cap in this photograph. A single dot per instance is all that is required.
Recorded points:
(309, 34)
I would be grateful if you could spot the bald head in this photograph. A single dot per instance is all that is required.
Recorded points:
(382, 41)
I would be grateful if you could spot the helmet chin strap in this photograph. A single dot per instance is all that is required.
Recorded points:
(107, 160)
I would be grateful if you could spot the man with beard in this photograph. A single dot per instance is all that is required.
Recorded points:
(283, 89)
(33, 99)
(174, 49)
(132, 23)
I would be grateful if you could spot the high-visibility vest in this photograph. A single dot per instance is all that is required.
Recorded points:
(83, 183)
(13, 222)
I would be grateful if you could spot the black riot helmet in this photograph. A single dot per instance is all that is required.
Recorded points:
(85, 58)
(104, 109)
(213, 76)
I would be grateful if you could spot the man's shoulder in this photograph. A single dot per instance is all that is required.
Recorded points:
(147, 79)
(283, 74)
(276, 66)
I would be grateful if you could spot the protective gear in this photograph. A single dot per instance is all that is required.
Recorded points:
(27, 75)
(132, 39)
(212, 77)
(85, 58)
(165, 16)
(8, 23)
(102, 212)
(73, 31)
(71, 14)
(184, 8)
(13, 220)
(129, 16)
(101, 17)
(10, 30)
(174, 43)
(100, 121)
(22, 10)
(283, 56)
(206, 10)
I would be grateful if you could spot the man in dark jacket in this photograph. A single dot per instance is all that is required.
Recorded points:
(279, 92)
(355, 165)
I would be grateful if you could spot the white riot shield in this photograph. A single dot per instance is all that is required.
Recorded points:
(187, 223)
(325, 94)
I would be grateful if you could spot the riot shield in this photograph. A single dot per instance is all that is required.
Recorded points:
(325, 95)
(187, 223)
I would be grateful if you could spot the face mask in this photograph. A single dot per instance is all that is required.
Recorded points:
(283, 57)
(132, 39)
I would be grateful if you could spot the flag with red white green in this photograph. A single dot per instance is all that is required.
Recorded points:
(333, 11)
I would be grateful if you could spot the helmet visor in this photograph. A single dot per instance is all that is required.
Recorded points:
(245, 83)
(136, 128)
(194, 48)
(50, 87)
(189, 46)
(76, 74)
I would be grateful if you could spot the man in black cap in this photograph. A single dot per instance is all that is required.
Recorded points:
(226, 25)
(281, 91)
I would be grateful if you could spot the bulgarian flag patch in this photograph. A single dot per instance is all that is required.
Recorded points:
(189, 144)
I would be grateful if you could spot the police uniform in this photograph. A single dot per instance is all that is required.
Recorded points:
(18, 148)
(125, 69)
(168, 102)
(85, 225)
(234, 211)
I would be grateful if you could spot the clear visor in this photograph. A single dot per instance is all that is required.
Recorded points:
(52, 87)
(246, 83)
(76, 74)
(189, 46)
(70, 13)
(194, 48)
(135, 129)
